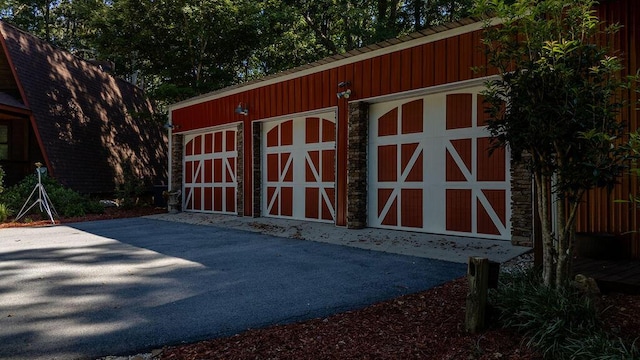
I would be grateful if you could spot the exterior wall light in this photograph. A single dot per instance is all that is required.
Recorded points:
(242, 109)
(344, 94)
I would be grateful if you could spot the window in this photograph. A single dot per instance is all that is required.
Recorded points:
(4, 142)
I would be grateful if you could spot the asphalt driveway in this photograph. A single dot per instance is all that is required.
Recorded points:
(130, 285)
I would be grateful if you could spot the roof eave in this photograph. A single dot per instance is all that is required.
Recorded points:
(409, 40)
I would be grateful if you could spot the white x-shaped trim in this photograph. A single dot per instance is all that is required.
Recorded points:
(316, 175)
(395, 193)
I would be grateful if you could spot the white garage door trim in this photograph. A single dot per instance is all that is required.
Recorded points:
(429, 166)
(298, 167)
(209, 171)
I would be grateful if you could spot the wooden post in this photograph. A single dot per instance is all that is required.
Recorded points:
(478, 275)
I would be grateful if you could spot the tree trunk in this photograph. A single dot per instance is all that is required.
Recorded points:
(47, 21)
(542, 189)
(382, 10)
(561, 236)
(566, 240)
(347, 27)
(326, 42)
(417, 14)
(393, 14)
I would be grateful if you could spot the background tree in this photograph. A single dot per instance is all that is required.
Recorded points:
(64, 23)
(562, 93)
(343, 25)
(178, 49)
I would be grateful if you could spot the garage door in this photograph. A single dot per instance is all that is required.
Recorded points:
(299, 168)
(210, 172)
(430, 168)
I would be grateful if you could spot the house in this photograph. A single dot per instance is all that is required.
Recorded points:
(388, 136)
(87, 126)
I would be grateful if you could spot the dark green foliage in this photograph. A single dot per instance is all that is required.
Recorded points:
(131, 189)
(555, 105)
(67, 202)
(5, 212)
(561, 91)
(64, 23)
(1, 179)
(561, 323)
(600, 346)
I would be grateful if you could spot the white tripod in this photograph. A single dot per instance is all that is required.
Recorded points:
(42, 200)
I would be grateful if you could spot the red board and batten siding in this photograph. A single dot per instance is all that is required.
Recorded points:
(428, 64)
(600, 213)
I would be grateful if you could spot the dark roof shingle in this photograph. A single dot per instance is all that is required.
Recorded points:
(92, 124)
(8, 100)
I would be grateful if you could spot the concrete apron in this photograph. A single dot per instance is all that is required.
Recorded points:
(456, 249)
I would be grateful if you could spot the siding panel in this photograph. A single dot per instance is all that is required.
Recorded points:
(440, 55)
(416, 67)
(452, 57)
(465, 58)
(386, 74)
(366, 78)
(428, 65)
(396, 72)
(376, 68)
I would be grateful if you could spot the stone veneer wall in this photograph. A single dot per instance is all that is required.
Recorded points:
(177, 148)
(521, 204)
(240, 170)
(257, 174)
(358, 138)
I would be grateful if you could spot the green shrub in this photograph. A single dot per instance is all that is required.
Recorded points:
(5, 212)
(1, 179)
(600, 346)
(66, 202)
(131, 189)
(561, 324)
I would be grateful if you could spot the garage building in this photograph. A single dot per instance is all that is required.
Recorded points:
(388, 136)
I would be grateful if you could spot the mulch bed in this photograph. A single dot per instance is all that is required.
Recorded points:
(426, 325)
(109, 213)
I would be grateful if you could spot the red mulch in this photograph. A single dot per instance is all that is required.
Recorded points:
(109, 213)
(426, 325)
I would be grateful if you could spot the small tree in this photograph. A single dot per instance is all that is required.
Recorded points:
(556, 100)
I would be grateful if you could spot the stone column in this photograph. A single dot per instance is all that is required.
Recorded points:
(174, 201)
(521, 204)
(177, 148)
(357, 141)
(257, 173)
(240, 170)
